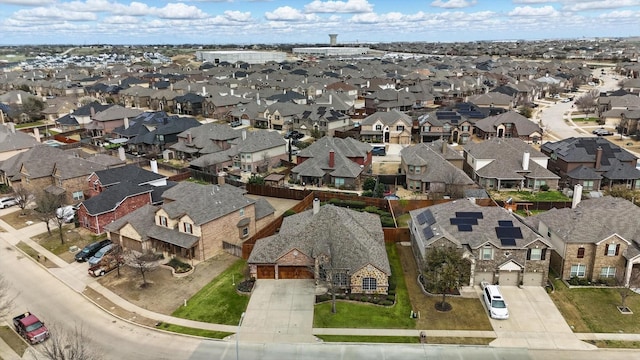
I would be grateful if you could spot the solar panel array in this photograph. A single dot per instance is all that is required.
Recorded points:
(465, 227)
(427, 232)
(465, 219)
(426, 217)
(469, 214)
(507, 233)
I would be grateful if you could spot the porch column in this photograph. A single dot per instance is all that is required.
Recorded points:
(627, 275)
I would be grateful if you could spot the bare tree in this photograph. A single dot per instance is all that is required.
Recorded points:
(586, 103)
(454, 182)
(334, 278)
(141, 262)
(23, 196)
(46, 206)
(626, 289)
(66, 344)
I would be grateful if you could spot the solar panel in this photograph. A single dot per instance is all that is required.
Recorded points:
(505, 223)
(508, 242)
(503, 232)
(421, 218)
(430, 220)
(460, 221)
(469, 214)
(427, 232)
(465, 227)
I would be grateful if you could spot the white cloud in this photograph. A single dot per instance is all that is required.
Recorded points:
(287, 13)
(179, 11)
(42, 13)
(600, 4)
(237, 16)
(27, 2)
(532, 1)
(534, 11)
(453, 4)
(350, 6)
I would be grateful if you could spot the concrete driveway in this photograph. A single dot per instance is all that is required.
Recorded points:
(534, 322)
(279, 311)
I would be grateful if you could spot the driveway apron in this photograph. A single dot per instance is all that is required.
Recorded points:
(279, 311)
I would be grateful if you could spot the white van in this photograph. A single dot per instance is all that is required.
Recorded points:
(495, 302)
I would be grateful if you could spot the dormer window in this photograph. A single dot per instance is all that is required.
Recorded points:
(187, 228)
(163, 221)
(378, 127)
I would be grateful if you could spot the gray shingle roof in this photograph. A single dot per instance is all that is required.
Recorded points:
(524, 126)
(317, 157)
(204, 203)
(113, 196)
(353, 239)
(437, 168)
(13, 141)
(131, 173)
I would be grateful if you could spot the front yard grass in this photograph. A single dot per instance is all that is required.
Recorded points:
(217, 302)
(17, 220)
(78, 237)
(195, 332)
(360, 315)
(594, 309)
(406, 339)
(15, 342)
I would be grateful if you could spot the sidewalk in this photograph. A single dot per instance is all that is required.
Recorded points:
(78, 283)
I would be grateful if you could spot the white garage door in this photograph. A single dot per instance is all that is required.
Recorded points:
(532, 279)
(483, 276)
(509, 278)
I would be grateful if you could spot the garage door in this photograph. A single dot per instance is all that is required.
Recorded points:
(483, 276)
(533, 279)
(266, 272)
(294, 272)
(509, 278)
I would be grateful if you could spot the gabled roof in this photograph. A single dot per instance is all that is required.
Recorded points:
(116, 112)
(436, 167)
(15, 140)
(127, 173)
(109, 199)
(524, 126)
(388, 118)
(352, 239)
(317, 157)
(584, 150)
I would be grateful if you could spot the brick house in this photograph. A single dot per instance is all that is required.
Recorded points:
(103, 122)
(508, 125)
(113, 193)
(595, 239)
(500, 248)
(327, 243)
(391, 126)
(194, 222)
(329, 160)
(593, 162)
(447, 125)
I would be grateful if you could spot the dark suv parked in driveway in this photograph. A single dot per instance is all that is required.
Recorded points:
(90, 250)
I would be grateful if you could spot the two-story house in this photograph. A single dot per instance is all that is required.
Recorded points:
(103, 122)
(501, 250)
(596, 239)
(392, 127)
(447, 125)
(508, 125)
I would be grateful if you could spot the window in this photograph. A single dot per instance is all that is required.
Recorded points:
(465, 128)
(187, 228)
(580, 253)
(612, 249)
(446, 128)
(340, 279)
(369, 283)
(78, 195)
(338, 181)
(95, 185)
(163, 221)
(578, 270)
(416, 169)
(378, 127)
(426, 128)
(486, 253)
(400, 128)
(535, 254)
(608, 272)
(241, 212)
(245, 231)
(587, 185)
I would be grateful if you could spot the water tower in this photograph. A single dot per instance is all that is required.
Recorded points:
(333, 39)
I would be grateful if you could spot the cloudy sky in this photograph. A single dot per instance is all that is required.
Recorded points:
(244, 22)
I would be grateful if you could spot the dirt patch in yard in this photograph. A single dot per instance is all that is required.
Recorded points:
(164, 293)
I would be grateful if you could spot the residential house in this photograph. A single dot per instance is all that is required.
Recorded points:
(329, 244)
(499, 248)
(194, 222)
(321, 119)
(387, 100)
(113, 193)
(391, 126)
(204, 139)
(596, 239)
(103, 122)
(499, 163)
(508, 125)
(431, 168)
(333, 161)
(13, 142)
(252, 152)
(447, 125)
(80, 117)
(280, 116)
(189, 104)
(593, 162)
(493, 99)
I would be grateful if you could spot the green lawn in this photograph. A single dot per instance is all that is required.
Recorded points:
(530, 196)
(594, 310)
(360, 315)
(218, 301)
(403, 220)
(196, 332)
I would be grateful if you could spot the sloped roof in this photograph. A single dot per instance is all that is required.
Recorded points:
(523, 126)
(15, 140)
(131, 173)
(352, 239)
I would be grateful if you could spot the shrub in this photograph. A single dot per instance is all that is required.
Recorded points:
(544, 187)
(387, 221)
(371, 209)
(386, 303)
(367, 193)
(289, 213)
(179, 266)
(247, 285)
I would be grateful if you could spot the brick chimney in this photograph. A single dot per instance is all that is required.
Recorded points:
(332, 159)
(598, 157)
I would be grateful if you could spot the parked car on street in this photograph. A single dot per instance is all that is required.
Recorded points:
(95, 259)
(30, 328)
(8, 201)
(602, 132)
(90, 250)
(379, 151)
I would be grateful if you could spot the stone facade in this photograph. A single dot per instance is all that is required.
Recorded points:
(369, 271)
(225, 229)
(594, 257)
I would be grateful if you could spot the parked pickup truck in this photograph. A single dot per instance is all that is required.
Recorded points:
(104, 266)
(31, 328)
